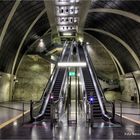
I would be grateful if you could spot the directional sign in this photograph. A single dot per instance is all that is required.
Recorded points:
(72, 73)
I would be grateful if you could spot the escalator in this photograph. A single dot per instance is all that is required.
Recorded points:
(91, 93)
(92, 88)
(54, 88)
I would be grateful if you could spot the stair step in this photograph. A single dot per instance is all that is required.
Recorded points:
(96, 111)
(97, 115)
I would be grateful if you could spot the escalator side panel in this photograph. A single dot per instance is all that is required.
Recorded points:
(57, 86)
(89, 86)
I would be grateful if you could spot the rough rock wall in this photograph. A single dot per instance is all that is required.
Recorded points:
(32, 77)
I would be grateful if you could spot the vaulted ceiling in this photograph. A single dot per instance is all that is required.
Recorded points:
(115, 23)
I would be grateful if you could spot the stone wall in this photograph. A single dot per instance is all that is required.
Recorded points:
(101, 60)
(32, 78)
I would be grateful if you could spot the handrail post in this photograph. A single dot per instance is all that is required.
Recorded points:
(52, 109)
(58, 115)
(31, 110)
(121, 111)
(23, 112)
(86, 113)
(113, 111)
(91, 115)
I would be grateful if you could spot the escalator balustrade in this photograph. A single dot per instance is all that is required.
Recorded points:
(98, 109)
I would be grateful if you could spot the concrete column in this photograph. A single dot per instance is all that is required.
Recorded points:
(130, 87)
(5, 86)
(137, 80)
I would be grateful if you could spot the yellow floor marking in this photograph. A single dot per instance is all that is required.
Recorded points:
(13, 119)
(130, 119)
(20, 115)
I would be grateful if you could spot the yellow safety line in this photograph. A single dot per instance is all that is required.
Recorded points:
(138, 122)
(13, 119)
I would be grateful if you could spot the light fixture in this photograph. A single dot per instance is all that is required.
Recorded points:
(15, 123)
(91, 99)
(41, 43)
(72, 1)
(80, 39)
(72, 64)
(51, 97)
(67, 34)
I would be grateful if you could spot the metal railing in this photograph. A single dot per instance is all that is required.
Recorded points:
(47, 92)
(99, 92)
(45, 99)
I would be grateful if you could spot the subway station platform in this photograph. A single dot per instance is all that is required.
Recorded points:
(14, 127)
(69, 69)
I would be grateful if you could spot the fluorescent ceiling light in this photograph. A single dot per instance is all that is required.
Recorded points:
(72, 64)
(72, 0)
(67, 34)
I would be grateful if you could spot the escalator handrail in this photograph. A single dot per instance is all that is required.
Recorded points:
(66, 69)
(80, 69)
(46, 99)
(65, 74)
(96, 79)
(49, 82)
(51, 77)
(97, 84)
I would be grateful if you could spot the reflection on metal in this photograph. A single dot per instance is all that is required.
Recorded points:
(110, 54)
(12, 12)
(25, 36)
(118, 12)
(130, 50)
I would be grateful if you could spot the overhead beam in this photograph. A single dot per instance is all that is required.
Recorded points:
(24, 38)
(51, 13)
(113, 57)
(123, 43)
(9, 18)
(83, 11)
(46, 33)
(116, 11)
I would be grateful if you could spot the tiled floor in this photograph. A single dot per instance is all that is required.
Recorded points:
(129, 110)
(79, 131)
(11, 110)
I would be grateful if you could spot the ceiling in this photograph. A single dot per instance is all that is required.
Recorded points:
(115, 23)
